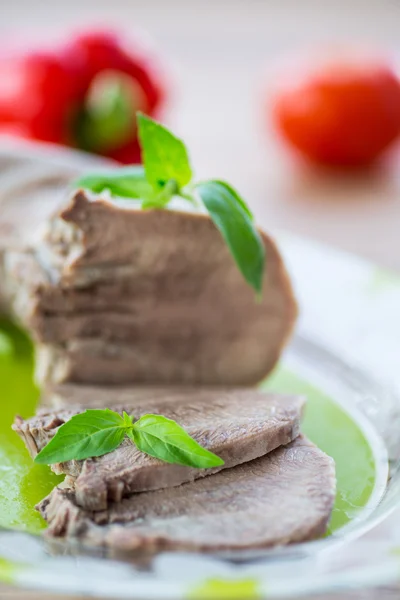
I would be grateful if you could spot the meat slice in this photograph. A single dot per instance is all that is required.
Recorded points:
(238, 425)
(116, 295)
(284, 497)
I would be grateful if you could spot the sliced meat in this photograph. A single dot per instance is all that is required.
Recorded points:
(114, 295)
(77, 397)
(284, 497)
(237, 425)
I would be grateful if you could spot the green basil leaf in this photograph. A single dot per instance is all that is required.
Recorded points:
(161, 199)
(127, 419)
(234, 194)
(92, 433)
(230, 215)
(165, 157)
(164, 439)
(126, 182)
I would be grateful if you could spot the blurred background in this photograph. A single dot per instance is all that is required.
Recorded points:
(220, 63)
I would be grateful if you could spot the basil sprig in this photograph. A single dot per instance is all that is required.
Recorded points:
(97, 432)
(233, 219)
(164, 156)
(166, 173)
(125, 182)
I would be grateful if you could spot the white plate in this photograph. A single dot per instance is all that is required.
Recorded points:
(347, 344)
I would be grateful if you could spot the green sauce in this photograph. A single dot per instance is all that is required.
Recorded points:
(23, 484)
(334, 431)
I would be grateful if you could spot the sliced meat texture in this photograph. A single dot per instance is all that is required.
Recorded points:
(283, 497)
(27, 180)
(238, 425)
(117, 295)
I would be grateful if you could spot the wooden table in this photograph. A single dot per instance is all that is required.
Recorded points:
(225, 56)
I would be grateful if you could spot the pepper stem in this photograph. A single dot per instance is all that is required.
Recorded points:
(107, 120)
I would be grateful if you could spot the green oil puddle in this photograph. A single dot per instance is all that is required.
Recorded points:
(23, 484)
(335, 432)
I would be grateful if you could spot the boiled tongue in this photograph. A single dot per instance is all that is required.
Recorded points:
(116, 295)
(238, 425)
(283, 497)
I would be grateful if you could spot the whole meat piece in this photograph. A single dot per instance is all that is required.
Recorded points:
(237, 425)
(283, 497)
(115, 295)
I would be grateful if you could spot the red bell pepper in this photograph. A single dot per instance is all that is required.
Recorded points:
(83, 94)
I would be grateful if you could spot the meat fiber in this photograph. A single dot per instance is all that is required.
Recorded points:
(281, 498)
(30, 191)
(115, 295)
(237, 425)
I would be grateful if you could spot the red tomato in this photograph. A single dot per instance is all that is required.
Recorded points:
(343, 114)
